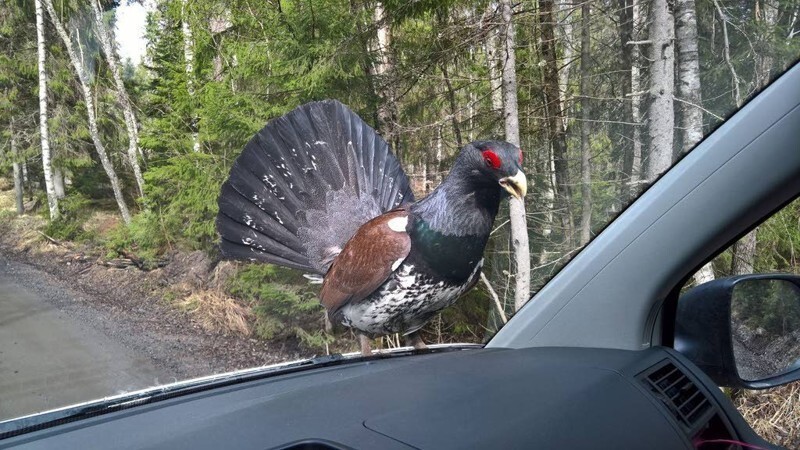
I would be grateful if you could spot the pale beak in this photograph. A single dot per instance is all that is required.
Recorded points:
(516, 185)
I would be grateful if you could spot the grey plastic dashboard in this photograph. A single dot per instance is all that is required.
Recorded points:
(478, 398)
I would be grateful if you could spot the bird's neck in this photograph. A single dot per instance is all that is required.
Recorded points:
(460, 208)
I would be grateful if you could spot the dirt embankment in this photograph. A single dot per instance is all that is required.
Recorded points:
(155, 312)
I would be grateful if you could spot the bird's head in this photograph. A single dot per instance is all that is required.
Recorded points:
(492, 163)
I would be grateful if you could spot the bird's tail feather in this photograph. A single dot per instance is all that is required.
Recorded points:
(304, 184)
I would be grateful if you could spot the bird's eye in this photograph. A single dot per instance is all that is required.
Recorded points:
(491, 159)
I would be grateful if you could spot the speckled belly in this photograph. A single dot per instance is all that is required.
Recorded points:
(404, 303)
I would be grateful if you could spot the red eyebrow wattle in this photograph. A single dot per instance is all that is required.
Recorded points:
(491, 158)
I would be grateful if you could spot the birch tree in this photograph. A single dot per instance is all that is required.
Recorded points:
(519, 226)
(661, 114)
(89, 102)
(106, 41)
(52, 199)
(689, 93)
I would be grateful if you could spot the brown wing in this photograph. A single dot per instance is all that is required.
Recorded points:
(366, 260)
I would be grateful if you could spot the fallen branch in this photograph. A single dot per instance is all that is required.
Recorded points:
(52, 240)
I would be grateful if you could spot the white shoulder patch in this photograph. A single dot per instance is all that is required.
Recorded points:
(398, 224)
(397, 263)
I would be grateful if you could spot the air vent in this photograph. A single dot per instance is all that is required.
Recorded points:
(681, 396)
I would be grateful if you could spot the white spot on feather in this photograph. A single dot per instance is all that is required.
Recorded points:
(313, 278)
(397, 263)
(248, 220)
(398, 224)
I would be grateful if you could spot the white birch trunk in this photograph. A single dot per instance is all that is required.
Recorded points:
(188, 57)
(89, 102)
(106, 41)
(688, 73)
(661, 115)
(689, 92)
(586, 168)
(52, 199)
(519, 226)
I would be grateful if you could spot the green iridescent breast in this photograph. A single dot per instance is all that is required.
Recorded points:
(450, 256)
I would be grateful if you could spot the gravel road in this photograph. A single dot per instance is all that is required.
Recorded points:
(53, 348)
(73, 331)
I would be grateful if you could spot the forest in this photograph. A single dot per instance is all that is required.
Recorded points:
(601, 96)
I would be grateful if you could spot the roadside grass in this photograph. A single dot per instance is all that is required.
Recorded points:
(217, 312)
(773, 413)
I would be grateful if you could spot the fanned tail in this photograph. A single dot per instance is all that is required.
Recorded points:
(304, 184)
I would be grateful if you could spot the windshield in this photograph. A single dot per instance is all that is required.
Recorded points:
(140, 245)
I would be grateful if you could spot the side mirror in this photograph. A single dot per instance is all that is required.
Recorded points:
(743, 331)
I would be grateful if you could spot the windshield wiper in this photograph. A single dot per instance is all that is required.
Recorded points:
(40, 421)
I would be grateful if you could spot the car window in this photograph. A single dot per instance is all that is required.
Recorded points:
(764, 326)
(131, 209)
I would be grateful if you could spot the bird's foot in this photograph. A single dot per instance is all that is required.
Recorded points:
(415, 340)
(366, 348)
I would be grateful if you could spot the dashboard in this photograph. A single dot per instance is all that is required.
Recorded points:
(574, 398)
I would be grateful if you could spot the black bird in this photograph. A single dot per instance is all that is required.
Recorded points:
(319, 190)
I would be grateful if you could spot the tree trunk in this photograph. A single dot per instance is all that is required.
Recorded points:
(689, 92)
(451, 97)
(744, 254)
(18, 182)
(188, 58)
(58, 182)
(519, 226)
(661, 116)
(106, 41)
(492, 49)
(387, 110)
(52, 199)
(89, 101)
(586, 176)
(553, 112)
(688, 73)
(636, 99)
(630, 27)
(565, 32)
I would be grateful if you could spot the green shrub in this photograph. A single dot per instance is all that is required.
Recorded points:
(284, 304)
(182, 202)
(75, 209)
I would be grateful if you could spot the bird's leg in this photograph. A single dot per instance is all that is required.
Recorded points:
(415, 340)
(366, 349)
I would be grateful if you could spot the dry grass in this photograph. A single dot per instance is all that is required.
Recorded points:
(774, 414)
(22, 231)
(100, 222)
(217, 312)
